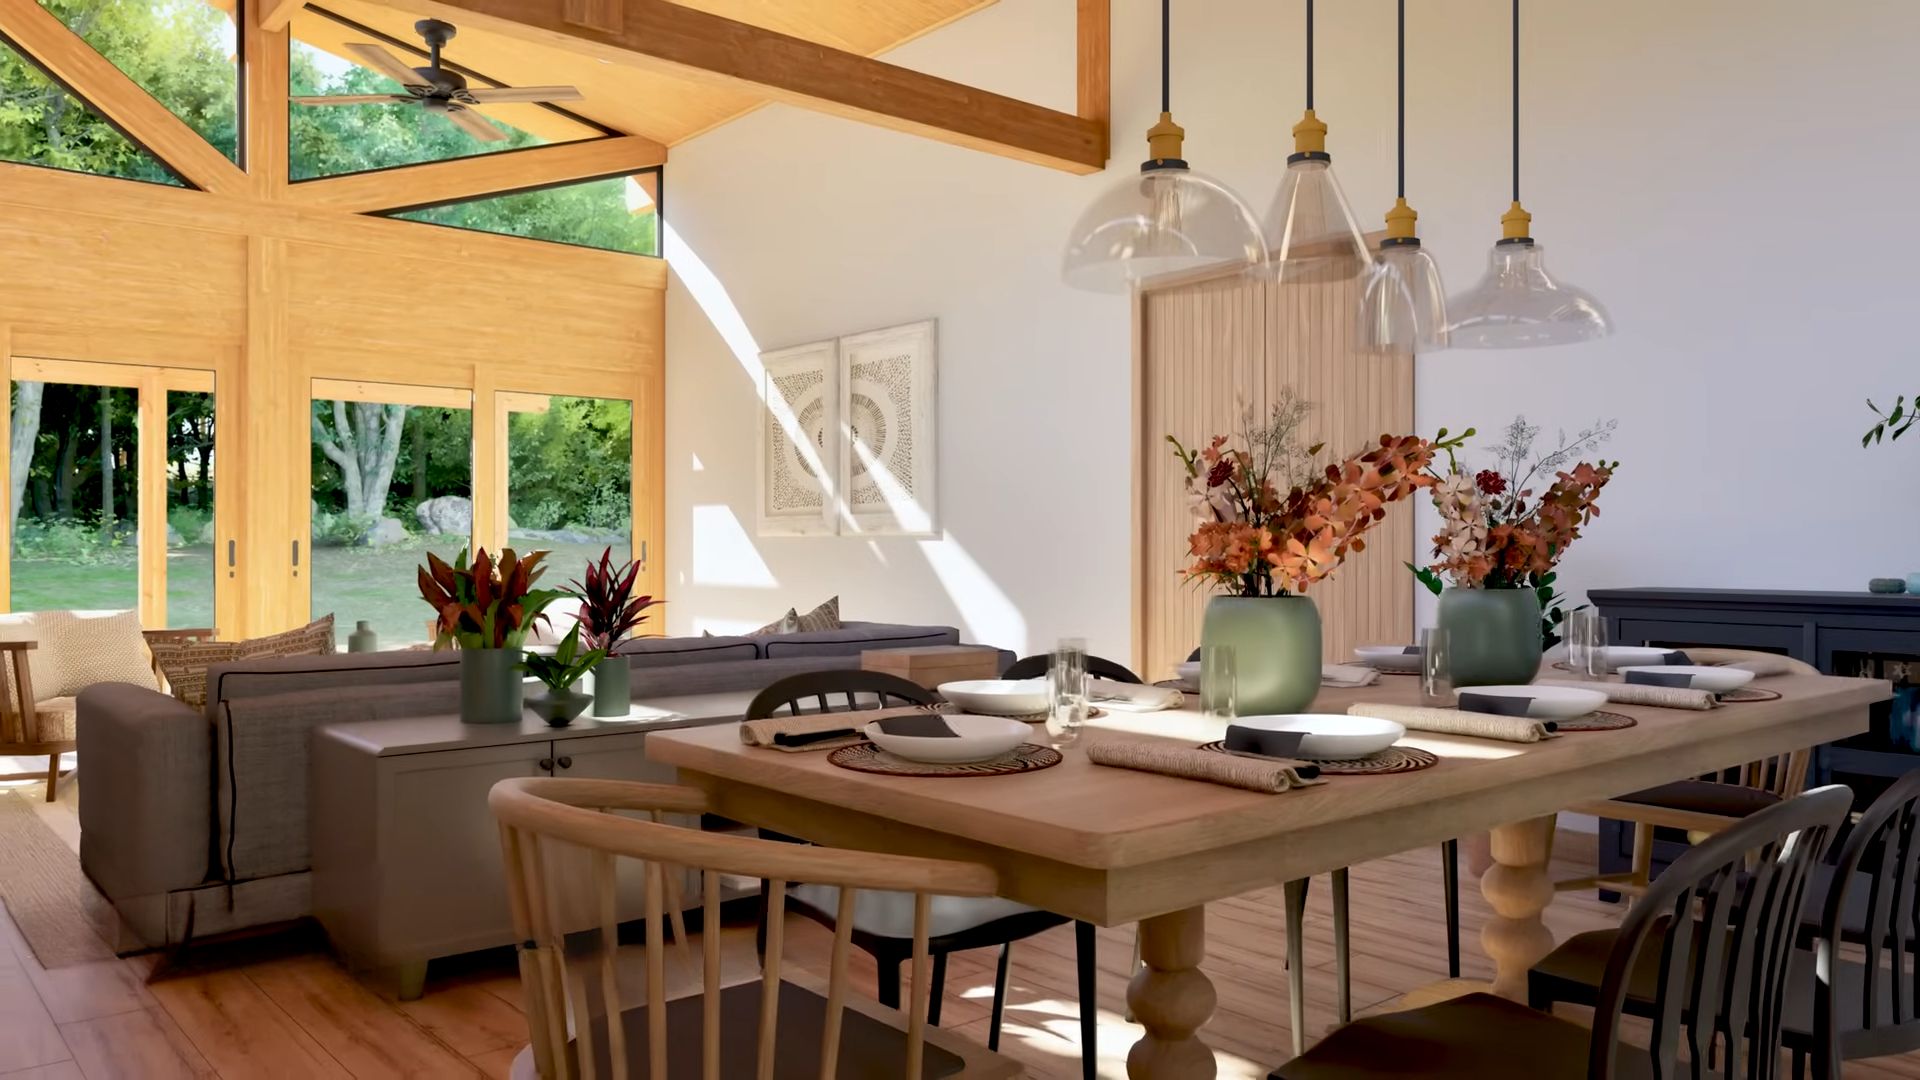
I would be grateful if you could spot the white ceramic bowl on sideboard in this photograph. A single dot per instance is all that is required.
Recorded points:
(1389, 657)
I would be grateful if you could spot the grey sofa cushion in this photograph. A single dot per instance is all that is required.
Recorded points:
(146, 821)
(732, 675)
(272, 676)
(653, 652)
(854, 638)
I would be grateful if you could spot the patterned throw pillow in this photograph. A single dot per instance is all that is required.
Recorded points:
(785, 624)
(824, 617)
(185, 663)
(79, 649)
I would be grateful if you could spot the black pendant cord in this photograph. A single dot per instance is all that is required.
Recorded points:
(1400, 134)
(1166, 56)
(1309, 55)
(1516, 100)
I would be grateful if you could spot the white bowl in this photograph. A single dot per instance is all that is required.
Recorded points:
(1331, 736)
(1717, 679)
(1619, 656)
(1188, 672)
(1545, 702)
(1389, 657)
(974, 738)
(997, 697)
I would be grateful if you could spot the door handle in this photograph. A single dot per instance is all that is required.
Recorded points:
(546, 764)
(230, 550)
(566, 763)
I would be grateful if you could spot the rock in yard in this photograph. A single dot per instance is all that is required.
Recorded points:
(446, 515)
(384, 531)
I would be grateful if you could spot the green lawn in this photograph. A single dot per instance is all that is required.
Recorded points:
(375, 584)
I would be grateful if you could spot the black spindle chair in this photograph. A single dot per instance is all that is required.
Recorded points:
(1098, 667)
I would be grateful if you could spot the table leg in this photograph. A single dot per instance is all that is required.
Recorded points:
(1172, 999)
(1518, 888)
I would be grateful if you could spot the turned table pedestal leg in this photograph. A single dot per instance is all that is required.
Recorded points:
(1171, 999)
(1518, 889)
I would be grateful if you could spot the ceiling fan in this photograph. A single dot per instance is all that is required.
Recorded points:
(438, 89)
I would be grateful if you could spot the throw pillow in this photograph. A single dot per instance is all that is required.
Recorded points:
(79, 649)
(824, 617)
(185, 663)
(785, 624)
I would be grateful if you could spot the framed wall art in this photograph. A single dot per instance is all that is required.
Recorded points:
(799, 441)
(887, 411)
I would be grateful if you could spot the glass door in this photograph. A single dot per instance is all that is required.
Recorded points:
(111, 490)
(392, 469)
(569, 478)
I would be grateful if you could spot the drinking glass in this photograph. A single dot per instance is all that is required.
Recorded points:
(1219, 690)
(1587, 642)
(1436, 668)
(1066, 692)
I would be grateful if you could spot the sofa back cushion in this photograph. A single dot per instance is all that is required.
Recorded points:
(273, 676)
(854, 638)
(652, 652)
(186, 661)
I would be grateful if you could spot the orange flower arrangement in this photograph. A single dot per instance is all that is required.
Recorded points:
(1255, 540)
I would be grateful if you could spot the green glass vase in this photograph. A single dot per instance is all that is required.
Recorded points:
(1493, 636)
(1276, 650)
(491, 688)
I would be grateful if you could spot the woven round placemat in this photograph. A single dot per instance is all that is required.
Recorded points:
(866, 757)
(1595, 721)
(1394, 759)
(1748, 694)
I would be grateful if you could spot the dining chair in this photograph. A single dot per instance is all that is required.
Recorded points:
(882, 921)
(1749, 883)
(575, 977)
(1865, 1005)
(1701, 806)
(1098, 667)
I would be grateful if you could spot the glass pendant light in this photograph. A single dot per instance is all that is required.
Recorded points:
(1517, 304)
(1405, 306)
(1167, 220)
(1311, 231)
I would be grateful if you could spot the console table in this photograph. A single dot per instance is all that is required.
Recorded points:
(406, 857)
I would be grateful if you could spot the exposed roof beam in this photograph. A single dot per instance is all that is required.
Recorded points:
(276, 14)
(66, 56)
(698, 46)
(501, 172)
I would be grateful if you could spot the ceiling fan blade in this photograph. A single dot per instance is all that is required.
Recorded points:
(500, 94)
(352, 99)
(475, 126)
(380, 60)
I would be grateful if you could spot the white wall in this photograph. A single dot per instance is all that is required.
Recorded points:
(1733, 178)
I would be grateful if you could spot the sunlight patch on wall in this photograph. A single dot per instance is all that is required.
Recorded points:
(723, 553)
(987, 615)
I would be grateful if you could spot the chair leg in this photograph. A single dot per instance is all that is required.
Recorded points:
(939, 989)
(1084, 957)
(1296, 899)
(1342, 968)
(53, 777)
(1642, 855)
(888, 989)
(1450, 889)
(1799, 1065)
(760, 922)
(999, 997)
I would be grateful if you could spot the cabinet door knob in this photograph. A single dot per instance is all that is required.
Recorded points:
(546, 764)
(566, 763)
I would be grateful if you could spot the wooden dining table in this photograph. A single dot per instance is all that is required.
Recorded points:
(1114, 846)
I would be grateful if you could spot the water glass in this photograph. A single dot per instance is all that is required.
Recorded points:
(1066, 692)
(1587, 642)
(1436, 668)
(1219, 688)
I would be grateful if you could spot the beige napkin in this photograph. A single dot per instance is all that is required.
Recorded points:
(1458, 722)
(1132, 697)
(1348, 676)
(1272, 775)
(1625, 693)
(761, 733)
(1765, 666)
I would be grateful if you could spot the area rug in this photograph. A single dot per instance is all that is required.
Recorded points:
(63, 917)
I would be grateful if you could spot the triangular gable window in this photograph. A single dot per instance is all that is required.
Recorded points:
(619, 213)
(42, 124)
(183, 52)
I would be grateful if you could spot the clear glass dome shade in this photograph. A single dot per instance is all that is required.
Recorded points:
(1517, 305)
(1312, 234)
(1405, 305)
(1161, 221)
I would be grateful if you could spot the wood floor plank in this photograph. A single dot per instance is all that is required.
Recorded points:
(468, 1019)
(86, 991)
(28, 1036)
(351, 1023)
(63, 1070)
(239, 1030)
(141, 1045)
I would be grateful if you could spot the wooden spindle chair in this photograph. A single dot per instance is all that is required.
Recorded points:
(23, 728)
(582, 1023)
(1705, 953)
(1098, 667)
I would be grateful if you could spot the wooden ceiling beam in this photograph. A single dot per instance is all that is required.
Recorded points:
(701, 47)
(66, 56)
(276, 14)
(499, 173)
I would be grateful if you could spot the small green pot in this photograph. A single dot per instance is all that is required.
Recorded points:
(1276, 650)
(612, 687)
(559, 707)
(1493, 636)
(491, 690)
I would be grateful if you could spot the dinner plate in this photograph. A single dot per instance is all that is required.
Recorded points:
(1188, 672)
(997, 697)
(1619, 656)
(1717, 679)
(948, 737)
(1542, 702)
(1331, 736)
(1389, 657)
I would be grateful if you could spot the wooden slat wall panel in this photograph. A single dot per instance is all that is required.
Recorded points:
(1211, 349)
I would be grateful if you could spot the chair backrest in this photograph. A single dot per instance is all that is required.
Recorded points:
(1723, 974)
(571, 987)
(1098, 667)
(1784, 775)
(817, 690)
(1881, 1009)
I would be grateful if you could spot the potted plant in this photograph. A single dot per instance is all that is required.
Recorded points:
(609, 612)
(558, 672)
(486, 609)
(1272, 522)
(1498, 544)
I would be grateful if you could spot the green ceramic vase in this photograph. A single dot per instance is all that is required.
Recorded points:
(1493, 635)
(491, 690)
(1276, 650)
(613, 687)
